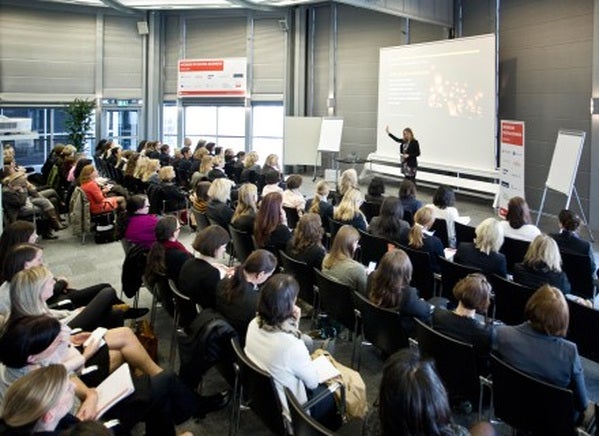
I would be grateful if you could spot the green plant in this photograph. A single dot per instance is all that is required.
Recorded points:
(78, 121)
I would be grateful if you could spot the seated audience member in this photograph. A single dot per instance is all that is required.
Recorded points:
(389, 288)
(348, 211)
(274, 343)
(199, 198)
(251, 169)
(542, 264)
(339, 263)
(292, 197)
(518, 223)
(165, 155)
(167, 255)
(538, 348)
(412, 400)
(150, 174)
(271, 180)
(230, 163)
(306, 243)
(474, 296)
(270, 227)
(376, 189)
(202, 173)
(419, 237)
(237, 296)
(407, 196)
(141, 225)
(36, 403)
(98, 202)
(171, 194)
(569, 240)
(184, 169)
(389, 224)
(347, 182)
(484, 253)
(14, 234)
(200, 274)
(218, 170)
(245, 212)
(271, 163)
(218, 207)
(320, 204)
(443, 208)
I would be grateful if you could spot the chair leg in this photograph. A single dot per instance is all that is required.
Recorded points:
(153, 309)
(233, 423)
(173, 349)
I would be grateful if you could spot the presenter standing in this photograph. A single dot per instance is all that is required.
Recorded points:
(409, 151)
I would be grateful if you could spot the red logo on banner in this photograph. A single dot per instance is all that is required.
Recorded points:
(201, 66)
(512, 133)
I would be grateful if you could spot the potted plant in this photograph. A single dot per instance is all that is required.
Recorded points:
(78, 121)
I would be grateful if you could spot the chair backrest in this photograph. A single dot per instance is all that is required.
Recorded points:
(423, 277)
(302, 423)
(303, 273)
(455, 362)
(372, 248)
(528, 404)
(514, 251)
(201, 219)
(409, 217)
(580, 275)
(335, 299)
(583, 321)
(292, 216)
(258, 388)
(334, 227)
(464, 232)
(381, 327)
(510, 300)
(243, 244)
(440, 229)
(370, 209)
(451, 273)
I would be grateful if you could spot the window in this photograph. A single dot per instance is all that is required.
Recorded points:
(169, 125)
(122, 126)
(267, 130)
(223, 125)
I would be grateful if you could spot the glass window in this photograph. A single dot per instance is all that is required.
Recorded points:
(267, 128)
(231, 121)
(200, 120)
(223, 125)
(122, 126)
(169, 125)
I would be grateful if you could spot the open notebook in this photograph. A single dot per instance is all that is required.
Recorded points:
(117, 386)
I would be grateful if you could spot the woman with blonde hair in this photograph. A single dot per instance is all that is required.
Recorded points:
(219, 210)
(347, 181)
(170, 193)
(419, 237)
(339, 263)
(542, 264)
(36, 402)
(484, 253)
(348, 211)
(389, 287)
(245, 212)
(319, 204)
(306, 243)
(150, 174)
(218, 168)
(202, 172)
(251, 169)
(271, 163)
(140, 168)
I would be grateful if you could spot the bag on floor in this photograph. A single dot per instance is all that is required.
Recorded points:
(145, 333)
(356, 403)
(105, 230)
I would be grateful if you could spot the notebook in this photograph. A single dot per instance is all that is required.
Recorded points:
(117, 386)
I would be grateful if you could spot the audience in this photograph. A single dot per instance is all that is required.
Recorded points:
(419, 237)
(389, 224)
(98, 201)
(484, 253)
(271, 180)
(518, 223)
(339, 264)
(219, 210)
(141, 225)
(347, 182)
(292, 197)
(245, 212)
(443, 208)
(167, 255)
(320, 205)
(15, 233)
(199, 199)
(348, 211)
(306, 243)
(376, 189)
(270, 227)
(568, 238)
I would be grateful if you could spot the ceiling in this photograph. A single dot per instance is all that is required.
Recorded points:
(181, 4)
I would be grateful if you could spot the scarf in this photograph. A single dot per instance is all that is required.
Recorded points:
(174, 245)
(287, 326)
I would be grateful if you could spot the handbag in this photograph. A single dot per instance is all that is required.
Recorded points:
(146, 336)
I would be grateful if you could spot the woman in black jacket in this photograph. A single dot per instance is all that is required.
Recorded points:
(409, 151)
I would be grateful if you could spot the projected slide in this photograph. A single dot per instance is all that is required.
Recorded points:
(444, 91)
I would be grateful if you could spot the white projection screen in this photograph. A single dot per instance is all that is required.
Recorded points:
(444, 91)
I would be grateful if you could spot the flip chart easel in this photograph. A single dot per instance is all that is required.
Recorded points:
(330, 139)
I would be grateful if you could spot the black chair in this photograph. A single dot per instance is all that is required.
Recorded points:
(451, 273)
(510, 300)
(381, 327)
(409, 217)
(440, 229)
(335, 299)
(292, 216)
(514, 251)
(372, 248)
(243, 243)
(578, 269)
(334, 227)
(423, 278)
(464, 233)
(528, 404)
(304, 274)
(584, 321)
(455, 362)
(201, 219)
(370, 210)
(257, 387)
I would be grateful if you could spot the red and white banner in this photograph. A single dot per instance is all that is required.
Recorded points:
(512, 163)
(225, 77)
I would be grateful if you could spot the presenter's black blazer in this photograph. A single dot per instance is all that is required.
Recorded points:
(413, 151)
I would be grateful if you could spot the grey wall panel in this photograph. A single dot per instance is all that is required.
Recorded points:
(426, 32)
(269, 56)
(171, 53)
(321, 59)
(122, 60)
(215, 37)
(478, 17)
(46, 52)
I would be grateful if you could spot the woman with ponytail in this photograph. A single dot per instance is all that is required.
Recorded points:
(419, 237)
(167, 255)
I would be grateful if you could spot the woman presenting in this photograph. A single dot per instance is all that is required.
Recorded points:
(409, 151)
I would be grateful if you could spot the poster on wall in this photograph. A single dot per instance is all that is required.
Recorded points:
(225, 77)
(512, 163)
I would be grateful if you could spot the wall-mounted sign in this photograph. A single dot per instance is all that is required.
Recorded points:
(225, 77)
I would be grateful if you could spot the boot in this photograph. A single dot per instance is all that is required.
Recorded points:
(54, 221)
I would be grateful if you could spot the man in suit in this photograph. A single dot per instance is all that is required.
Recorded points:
(568, 239)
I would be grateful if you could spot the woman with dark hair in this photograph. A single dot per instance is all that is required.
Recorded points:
(543, 335)
(292, 197)
(419, 237)
(167, 255)
(339, 263)
(518, 223)
(306, 243)
(389, 224)
(270, 227)
(199, 199)
(200, 274)
(407, 196)
(568, 238)
(171, 194)
(274, 343)
(443, 208)
(389, 287)
(15, 233)
(376, 189)
(411, 401)
(140, 226)
(237, 296)
(409, 152)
